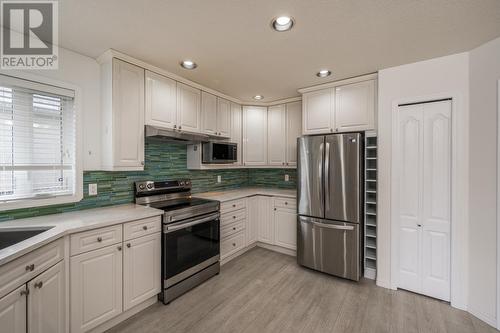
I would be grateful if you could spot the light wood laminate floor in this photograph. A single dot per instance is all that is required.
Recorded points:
(263, 291)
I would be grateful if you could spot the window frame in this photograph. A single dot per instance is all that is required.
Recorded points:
(78, 186)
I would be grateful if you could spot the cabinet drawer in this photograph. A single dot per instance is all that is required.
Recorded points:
(231, 217)
(141, 227)
(95, 239)
(232, 229)
(23, 269)
(232, 244)
(290, 203)
(232, 205)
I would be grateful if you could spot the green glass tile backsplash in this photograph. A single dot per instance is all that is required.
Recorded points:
(163, 161)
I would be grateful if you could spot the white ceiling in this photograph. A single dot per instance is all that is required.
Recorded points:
(238, 53)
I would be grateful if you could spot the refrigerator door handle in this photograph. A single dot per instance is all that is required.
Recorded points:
(327, 174)
(333, 226)
(320, 178)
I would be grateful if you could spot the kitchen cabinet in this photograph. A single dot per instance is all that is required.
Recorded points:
(355, 107)
(285, 223)
(209, 113)
(252, 220)
(236, 129)
(141, 269)
(254, 135)
(265, 221)
(318, 111)
(161, 101)
(13, 311)
(47, 301)
(223, 118)
(122, 116)
(96, 287)
(276, 131)
(284, 127)
(188, 108)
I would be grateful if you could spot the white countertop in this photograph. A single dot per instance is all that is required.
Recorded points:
(246, 192)
(68, 223)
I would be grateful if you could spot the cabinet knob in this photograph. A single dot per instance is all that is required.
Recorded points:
(145, 227)
(30, 268)
(274, 208)
(234, 228)
(175, 126)
(39, 285)
(142, 162)
(331, 129)
(234, 244)
(286, 203)
(419, 225)
(128, 245)
(180, 127)
(119, 248)
(99, 239)
(25, 292)
(234, 217)
(234, 205)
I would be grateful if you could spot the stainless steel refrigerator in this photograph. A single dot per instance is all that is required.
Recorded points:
(330, 198)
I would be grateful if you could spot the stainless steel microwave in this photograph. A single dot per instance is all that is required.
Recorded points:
(219, 152)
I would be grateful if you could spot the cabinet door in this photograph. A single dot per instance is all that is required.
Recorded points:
(252, 220)
(265, 220)
(188, 108)
(96, 287)
(128, 115)
(236, 133)
(13, 311)
(293, 131)
(208, 113)
(47, 301)
(254, 135)
(141, 269)
(223, 118)
(317, 108)
(161, 101)
(276, 131)
(355, 107)
(285, 228)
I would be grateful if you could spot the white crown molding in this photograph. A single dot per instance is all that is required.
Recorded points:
(334, 84)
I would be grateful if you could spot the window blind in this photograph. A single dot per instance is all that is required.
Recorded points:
(37, 141)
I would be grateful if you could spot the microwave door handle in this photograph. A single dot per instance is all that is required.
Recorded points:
(333, 226)
(190, 223)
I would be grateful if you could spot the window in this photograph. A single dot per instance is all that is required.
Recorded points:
(37, 141)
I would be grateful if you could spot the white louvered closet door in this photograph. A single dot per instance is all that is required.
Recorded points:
(424, 148)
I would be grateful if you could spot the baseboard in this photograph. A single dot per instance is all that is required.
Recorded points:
(125, 315)
(384, 284)
(277, 248)
(237, 254)
(484, 317)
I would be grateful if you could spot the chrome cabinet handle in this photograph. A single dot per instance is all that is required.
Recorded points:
(145, 227)
(39, 285)
(30, 268)
(99, 239)
(333, 226)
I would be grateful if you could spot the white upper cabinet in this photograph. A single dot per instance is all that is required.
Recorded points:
(161, 101)
(223, 118)
(318, 107)
(254, 135)
(188, 108)
(276, 141)
(236, 128)
(293, 131)
(208, 113)
(355, 107)
(123, 116)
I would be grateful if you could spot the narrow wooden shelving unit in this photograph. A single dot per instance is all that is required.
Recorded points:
(370, 231)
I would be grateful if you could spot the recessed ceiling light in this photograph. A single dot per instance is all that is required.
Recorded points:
(323, 73)
(282, 23)
(258, 97)
(188, 64)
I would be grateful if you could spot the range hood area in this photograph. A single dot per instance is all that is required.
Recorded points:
(171, 135)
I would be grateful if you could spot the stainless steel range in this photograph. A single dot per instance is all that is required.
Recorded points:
(191, 242)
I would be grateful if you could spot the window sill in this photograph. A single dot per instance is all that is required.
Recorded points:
(31, 203)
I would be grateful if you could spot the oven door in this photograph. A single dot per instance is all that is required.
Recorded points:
(189, 246)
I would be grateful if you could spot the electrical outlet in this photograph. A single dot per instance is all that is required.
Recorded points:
(287, 178)
(219, 179)
(92, 189)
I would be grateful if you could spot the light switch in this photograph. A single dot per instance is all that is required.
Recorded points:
(219, 179)
(92, 189)
(287, 178)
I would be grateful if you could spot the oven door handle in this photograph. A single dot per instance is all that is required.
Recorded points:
(195, 221)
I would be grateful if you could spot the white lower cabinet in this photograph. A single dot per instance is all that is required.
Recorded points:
(265, 222)
(96, 287)
(13, 311)
(285, 224)
(252, 218)
(47, 301)
(141, 269)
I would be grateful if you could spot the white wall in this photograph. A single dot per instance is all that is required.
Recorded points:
(416, 82)
(484, 74)
(83, 72)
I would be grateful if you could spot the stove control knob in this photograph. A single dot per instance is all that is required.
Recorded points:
(181, 183)
(142, 187)
(187, 182)
(150, 186)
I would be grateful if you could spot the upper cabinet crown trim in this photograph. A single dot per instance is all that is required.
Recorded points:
(334, 84)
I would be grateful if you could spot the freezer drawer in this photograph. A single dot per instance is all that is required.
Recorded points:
(329, 246)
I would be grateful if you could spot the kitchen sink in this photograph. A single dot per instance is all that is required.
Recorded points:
(11, 236)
